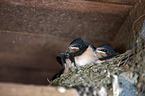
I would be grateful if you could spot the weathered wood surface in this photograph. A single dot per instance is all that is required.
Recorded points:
(124, 39)
(29, 58)
(67, 20)
(33, 33)
(9, 89)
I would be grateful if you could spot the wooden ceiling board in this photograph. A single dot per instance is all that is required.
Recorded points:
(67, 22)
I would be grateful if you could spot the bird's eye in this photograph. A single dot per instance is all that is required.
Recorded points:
(79, 46)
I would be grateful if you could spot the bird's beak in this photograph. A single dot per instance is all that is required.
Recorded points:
(73, 48)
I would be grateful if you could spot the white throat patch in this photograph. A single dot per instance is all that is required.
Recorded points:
(87, 57)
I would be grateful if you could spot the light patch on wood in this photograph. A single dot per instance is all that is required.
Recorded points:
(61, 89)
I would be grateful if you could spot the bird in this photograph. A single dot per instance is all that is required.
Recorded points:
(79, 53)
(83, 52)
(105, 52)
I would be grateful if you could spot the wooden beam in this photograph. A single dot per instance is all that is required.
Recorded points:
(9, 89)
(75, 5)
(64, 19)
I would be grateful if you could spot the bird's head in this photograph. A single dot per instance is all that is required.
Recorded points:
(78, 46)
(105, 52)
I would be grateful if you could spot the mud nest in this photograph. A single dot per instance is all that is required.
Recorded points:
(129, 65)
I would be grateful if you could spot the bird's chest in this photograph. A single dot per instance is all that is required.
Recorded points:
(87, 57)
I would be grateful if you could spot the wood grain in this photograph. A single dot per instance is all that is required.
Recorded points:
(11, 89)
(70, 19)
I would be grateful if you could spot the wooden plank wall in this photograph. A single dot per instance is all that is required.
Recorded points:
(33, 33)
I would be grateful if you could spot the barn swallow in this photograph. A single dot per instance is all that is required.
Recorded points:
(83, 52)
(105, 52)
(79, 53)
